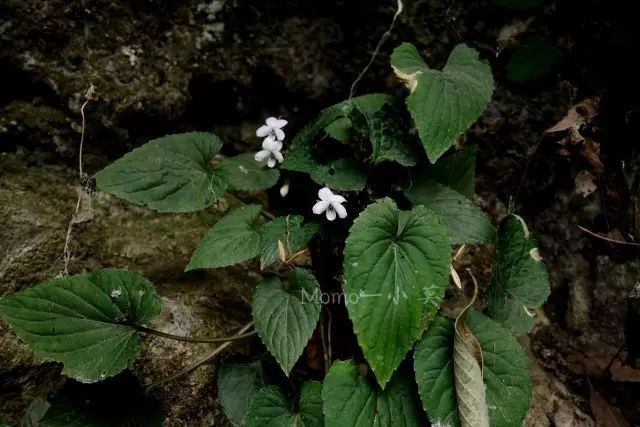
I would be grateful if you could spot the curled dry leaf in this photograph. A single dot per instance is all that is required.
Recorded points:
(579, 118)
(467, 368)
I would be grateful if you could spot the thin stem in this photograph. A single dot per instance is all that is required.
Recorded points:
(82, 138)
(150, 331)
(608, 239)
(384, 37)
(201, 361)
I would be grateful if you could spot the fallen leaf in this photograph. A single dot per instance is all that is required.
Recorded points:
(580, 117)
(604, 414)
(585, 184)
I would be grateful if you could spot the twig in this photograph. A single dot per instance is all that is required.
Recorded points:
(66, 252)
(384, 37)
(201, 361)
(151, 331)
(608, 239)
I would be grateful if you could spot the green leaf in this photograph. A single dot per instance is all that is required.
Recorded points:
(84, 320)
(343, 174)
(340, 130)
(244, 173)
(464, 221)
(433, 365)
(519, 281)
(354, 401)
(517, 4)
(532, 60)
(456, 170)
(271, 408)
(232, 240)
(290, 231)
(285, 317)
(373, 118)
(238, 383)
(407, 63)
(397, 263)
(505, 375)
(506, 371)
(168, 174)
(444, 103)
(386, 131)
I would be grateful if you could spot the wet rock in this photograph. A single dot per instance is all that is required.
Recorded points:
(35, 207)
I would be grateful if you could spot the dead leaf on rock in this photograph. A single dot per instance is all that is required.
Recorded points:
(585, 184)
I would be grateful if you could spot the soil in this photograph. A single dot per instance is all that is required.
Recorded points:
(222, 66)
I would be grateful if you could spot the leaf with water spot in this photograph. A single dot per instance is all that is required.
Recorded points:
(84, 321)
(242, 172)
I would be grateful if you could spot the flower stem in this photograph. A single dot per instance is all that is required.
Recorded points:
(201, 361)
(236, 337)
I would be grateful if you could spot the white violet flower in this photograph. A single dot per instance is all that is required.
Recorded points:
(270, 152)
(273, 127)
(330, 203)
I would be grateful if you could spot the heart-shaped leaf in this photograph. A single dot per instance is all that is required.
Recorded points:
(271, 408)
(232, 240)
(464, 221)
(285, 317)
(519, 281)
(238, 383)
(84, 321)
(397, 263)
(242, 172)
(168, 174)
(444, 103)
(290, 231)
(354, 401)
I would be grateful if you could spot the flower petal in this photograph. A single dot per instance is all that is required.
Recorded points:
(271, 122)
(263, 131)
(331, 214)
(279, 134)
(261, 156)
(271, 162)
(270, 144)
(278, 156)
(278, 123)
(325, 194)
(320, 207)
(340, 210)
(336, 198)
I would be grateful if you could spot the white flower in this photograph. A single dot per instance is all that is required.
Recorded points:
(273, 127)
(270, 152)
(330, 203)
